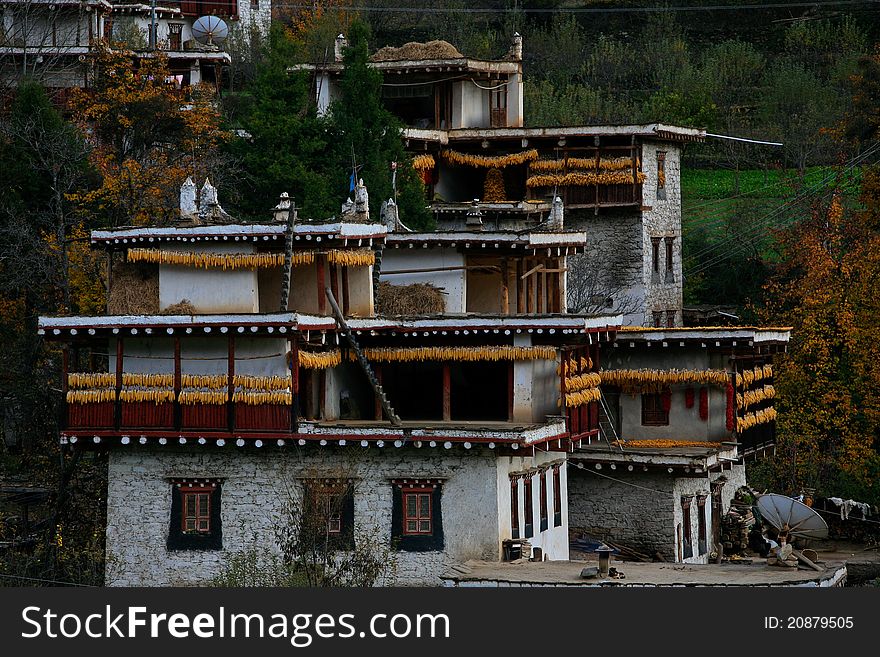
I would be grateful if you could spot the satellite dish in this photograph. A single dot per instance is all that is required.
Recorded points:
(210, 30)
(791, 518)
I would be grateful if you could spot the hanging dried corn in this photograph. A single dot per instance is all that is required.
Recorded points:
(217, 260)
(81, 380)
(319, 360)
(661, 443)
(461, 354)
(208, 397)
(91, 396)
(356, 258)
(263, 383)
(147, 380)
(154, 395)
(750, 420)
(497, 161)
(582, 397)
(423, 162)
(653, 379)
(260, 398)
(584, 178)
(214, 381)
(582, 381)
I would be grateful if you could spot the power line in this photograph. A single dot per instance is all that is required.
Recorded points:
(45, 581)
(764, 222)
(583, 10)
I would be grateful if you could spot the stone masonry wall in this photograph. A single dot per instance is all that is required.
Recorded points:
(256, 486)
(664, 290)
(639, 518)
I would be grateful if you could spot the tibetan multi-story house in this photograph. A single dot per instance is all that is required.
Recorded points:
(53, 40)
(513, 380)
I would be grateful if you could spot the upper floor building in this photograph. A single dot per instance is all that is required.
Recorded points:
(51, 40)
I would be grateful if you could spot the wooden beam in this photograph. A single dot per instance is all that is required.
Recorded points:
(177, 376)
(447, 392)
(334, 280)
(230, 383)
(520, 289)
(120, 349)
(531, 271)
(346, 299)
(322, 284)
(293, 344)
(505, 292)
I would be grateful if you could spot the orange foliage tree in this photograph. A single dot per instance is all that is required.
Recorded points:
(148, 137)
(828, 289)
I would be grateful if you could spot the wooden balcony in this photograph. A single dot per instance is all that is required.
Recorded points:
(172, 416)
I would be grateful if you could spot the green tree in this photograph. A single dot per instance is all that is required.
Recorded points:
(284, 144)
(367, 135)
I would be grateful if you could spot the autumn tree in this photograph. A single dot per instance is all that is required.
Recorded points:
(827, 288)
(149, 136)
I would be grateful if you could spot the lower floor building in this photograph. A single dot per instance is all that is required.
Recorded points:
(176, 515)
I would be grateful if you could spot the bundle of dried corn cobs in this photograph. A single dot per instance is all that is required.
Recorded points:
(750, 420)
(423, 162)
(748, 377)
(216, 260)
(662, 378)
(488, 161)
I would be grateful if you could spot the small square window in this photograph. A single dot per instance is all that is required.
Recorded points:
(195, 515)
(416, 522)
(328, 505)
(655, 411)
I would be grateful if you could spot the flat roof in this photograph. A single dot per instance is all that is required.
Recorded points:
(494, 239)
(682, 461)
(454, 64)
(660, 131)
(638, 574)
(752, 334)
(344, 231)
(282, 323)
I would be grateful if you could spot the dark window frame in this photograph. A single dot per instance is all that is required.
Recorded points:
(528, 508)
(702, 529)
(179, 538)
(686, 528)
(557, 496)
(514, 507)
(661, 175)
(542, 505)
(670, 319)
(655, 255)
(332, 503)
(421, 521)
(653, 413)
(420, 542)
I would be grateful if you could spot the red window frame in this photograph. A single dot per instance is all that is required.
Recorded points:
(418, 519)
(670, 241)
(701, 518)
(195, 509)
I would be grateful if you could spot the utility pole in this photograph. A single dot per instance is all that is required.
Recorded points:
(153, 35)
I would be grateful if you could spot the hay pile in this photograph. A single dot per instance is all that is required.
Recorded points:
(417, 51)
(414, 299)
(134, 289)
(183, 307)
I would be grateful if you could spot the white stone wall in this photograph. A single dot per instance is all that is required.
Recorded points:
(554, 541)
(210, 290)
(256, 484)
(684, 423)
(664, 293)
(453, 283)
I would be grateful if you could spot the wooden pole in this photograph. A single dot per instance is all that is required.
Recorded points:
(447, 392)
(293, 343)
(230, 383)
(346, 301)
(334, 281)
(505, 292)
(65, 380)
(520, 290)
(118, 409)
(319, 266)
(176, 406)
